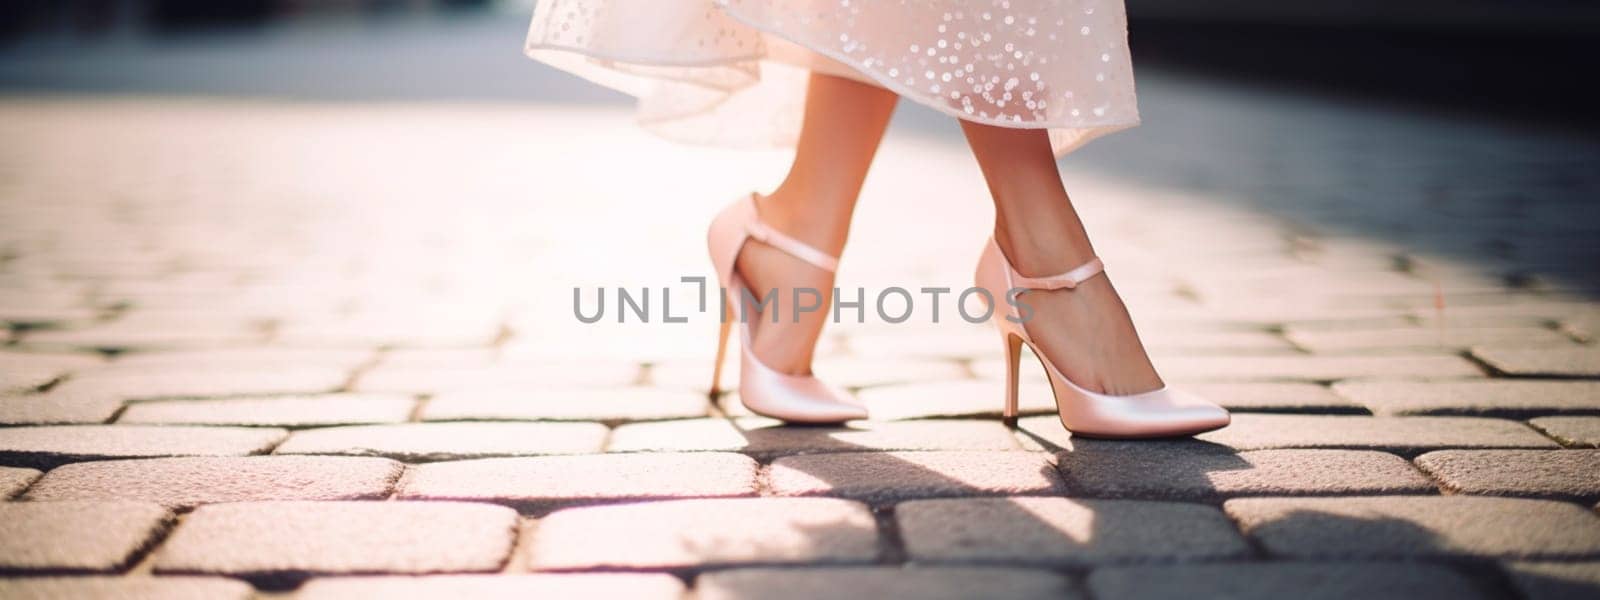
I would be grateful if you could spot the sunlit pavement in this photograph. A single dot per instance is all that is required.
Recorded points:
(276, 341)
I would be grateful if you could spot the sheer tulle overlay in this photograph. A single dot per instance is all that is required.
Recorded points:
(734, 72)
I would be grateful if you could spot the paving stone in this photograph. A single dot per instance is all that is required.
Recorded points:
(31, 315)
(76, 536)
(1296, 317)
(1523, 362)
(1273, 397)
(694, 373)
(926, 583)
(180, 383)
(644, 586)
(275, 543)
(764, 437)
(1555, 474)
(1307, 283)
(855, 371)
(1404, 435)
(954, 341)
(1555, 580)
(154, 332)
(1582, 432)
(252, 358)
(706, 533)
(1429, 319)
(993, 370)
(24, 371)
(47, 447)
(612, 405)
(276, 411)
(1495, 397)
(206, 307)
(1191, 470)
(1313, 368)
(1044, 433)
(956, 398)
(14, 480)
(1204, 342)
(436, 358)
(1423, 339)
(421, 326)
(126, 588)
(181, 483)
(1418, 527)
(522, 375)
(1398, 434)
(1270, 581)
(712, 434)
(1063, 532)
(888, 476)
(1257, 311)
(1527, 307)
(1585, 328)
(541, 483)
(1172, 342)
(541, 332)
(58, 407)
(421, 442)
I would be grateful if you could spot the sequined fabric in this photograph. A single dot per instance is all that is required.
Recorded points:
(733, 72)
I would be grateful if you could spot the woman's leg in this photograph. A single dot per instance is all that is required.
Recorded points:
(844, 121)
(1086, 331)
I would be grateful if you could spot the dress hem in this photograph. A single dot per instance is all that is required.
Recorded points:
(1088, 130)
(900, 89)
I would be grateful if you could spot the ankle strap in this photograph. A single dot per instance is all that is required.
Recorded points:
(1068, 280)
(765, 234)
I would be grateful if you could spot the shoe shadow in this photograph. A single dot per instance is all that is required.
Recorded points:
(943, 519)
(944, 501)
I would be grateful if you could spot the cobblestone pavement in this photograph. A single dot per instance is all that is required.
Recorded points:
(322, 348)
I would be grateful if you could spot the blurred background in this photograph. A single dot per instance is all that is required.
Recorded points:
(1516, 60)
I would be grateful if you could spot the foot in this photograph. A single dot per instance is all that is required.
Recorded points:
(788, 345)
(1084, 331)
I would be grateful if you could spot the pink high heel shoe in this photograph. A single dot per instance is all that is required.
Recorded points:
(765, 391)
(1160, 413)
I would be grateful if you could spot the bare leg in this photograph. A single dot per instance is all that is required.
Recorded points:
(1086, 332)
(844, 121)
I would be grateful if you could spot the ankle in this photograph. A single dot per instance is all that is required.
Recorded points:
(820, 220)
(1037, 253)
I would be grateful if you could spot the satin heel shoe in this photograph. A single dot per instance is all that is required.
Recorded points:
(1159, 413)
(765, 391)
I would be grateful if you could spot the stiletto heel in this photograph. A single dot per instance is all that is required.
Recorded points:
(1158, 413)
(722, 353)
(762, 389)
(1013, 356)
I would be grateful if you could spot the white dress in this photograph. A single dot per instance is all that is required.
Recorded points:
(733, 72)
